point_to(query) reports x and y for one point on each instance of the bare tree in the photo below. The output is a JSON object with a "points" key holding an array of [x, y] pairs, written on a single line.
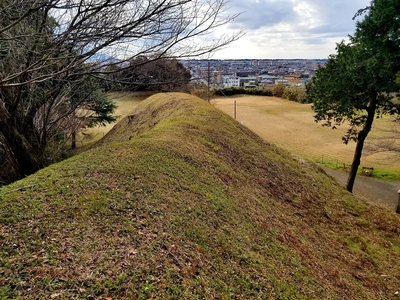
{"points": [[48, 48]]}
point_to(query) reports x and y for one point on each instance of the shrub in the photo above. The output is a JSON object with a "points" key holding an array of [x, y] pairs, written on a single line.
{"points": [[301, 95], [295, 94], [240, 90], [278, 90], [290, 94], [202, 92]]}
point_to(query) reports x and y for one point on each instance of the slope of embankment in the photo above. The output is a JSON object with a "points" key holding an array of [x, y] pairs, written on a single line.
{"points": [[179, 201]]}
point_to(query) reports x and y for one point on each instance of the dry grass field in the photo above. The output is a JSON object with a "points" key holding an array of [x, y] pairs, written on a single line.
{"points": [[291, 125]]}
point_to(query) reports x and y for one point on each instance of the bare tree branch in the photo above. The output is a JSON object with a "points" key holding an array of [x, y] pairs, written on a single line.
{"points": [[49, 50]]}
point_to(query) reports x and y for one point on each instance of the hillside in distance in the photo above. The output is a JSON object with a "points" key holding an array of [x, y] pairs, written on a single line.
{"points": [[180, 201]]}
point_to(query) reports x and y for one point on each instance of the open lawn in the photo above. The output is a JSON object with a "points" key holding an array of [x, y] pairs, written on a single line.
{"points": [[291, 126]]}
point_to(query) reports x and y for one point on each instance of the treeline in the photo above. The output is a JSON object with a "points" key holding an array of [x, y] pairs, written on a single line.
{"points": [[280, 90], [147, 74]]}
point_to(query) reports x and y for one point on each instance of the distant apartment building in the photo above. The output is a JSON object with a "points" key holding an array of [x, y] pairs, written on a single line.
{"points": [[215, 77], [251, 84], [244, 73], [230, 81], [282, 81], [248, 82], [266, 80]]}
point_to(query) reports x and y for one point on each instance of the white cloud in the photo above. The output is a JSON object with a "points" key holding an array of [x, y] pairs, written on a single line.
{"points": [[291, 28]]}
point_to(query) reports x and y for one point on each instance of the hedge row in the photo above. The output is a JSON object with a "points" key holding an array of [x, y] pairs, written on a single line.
{"points": [[239, 90]]}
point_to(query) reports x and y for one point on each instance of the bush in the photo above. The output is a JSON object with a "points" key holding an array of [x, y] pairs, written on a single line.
{"points": [[295, 94], [202, 92], [240, 90], [290, 94], [301, 95], [278, 90]]}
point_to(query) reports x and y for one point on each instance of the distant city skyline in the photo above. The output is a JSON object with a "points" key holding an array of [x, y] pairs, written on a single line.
{"points": [[289, 29], [252, 73]]}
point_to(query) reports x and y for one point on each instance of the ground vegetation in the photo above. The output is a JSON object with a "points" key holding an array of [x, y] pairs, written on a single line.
{"points": [[181, 201]]}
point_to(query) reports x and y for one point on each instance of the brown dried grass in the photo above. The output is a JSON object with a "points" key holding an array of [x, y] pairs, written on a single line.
{"points": [[291, 125]]}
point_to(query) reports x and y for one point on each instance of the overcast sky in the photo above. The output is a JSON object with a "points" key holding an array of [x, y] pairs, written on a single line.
{"points": [[290, 28]]}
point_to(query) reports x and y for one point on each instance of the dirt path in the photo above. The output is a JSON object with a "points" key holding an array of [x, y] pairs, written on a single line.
{"points": [[377, 191]]}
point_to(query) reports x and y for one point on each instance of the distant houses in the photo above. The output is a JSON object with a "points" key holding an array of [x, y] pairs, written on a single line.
{"points": [[267, 80], [251, 81], [250, 73], [282, 81]]}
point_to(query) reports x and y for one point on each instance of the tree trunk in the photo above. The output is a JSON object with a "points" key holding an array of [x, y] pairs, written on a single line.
{"points": [[360, 142], [398, 204], [73, 140], [26, 150], [356, 160]]}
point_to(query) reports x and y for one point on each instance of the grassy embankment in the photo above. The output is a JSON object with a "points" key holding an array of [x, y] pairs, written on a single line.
{"points": [[291, 125], [182, 202], [126, 102]]}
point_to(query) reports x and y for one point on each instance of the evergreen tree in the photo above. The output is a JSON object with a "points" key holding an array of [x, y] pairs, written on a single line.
{"points": [[358, 83]]}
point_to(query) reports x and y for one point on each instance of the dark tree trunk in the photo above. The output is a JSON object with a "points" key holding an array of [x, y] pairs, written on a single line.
{"points": [[360, 143], [398, 204], [25, 147], [356, 160], [73, 140]]}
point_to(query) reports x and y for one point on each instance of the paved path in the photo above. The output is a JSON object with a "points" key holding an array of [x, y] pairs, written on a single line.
{"points": [[377, 191]]}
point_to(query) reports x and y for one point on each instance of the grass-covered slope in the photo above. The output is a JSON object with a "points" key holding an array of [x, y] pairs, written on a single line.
{"points": [[180, 201]]}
